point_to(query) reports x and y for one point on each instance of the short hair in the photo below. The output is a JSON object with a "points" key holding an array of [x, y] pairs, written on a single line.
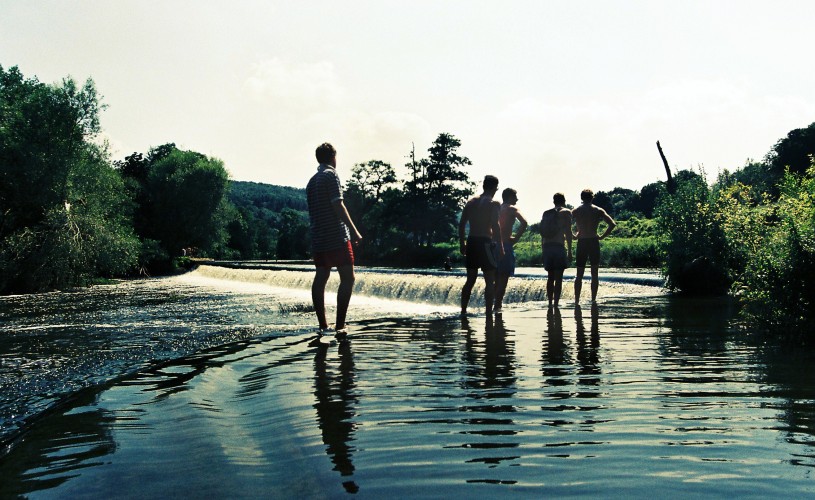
{"points": [[587, 195], [325, 152], [508, 194], [490, 182], [559, 199]]}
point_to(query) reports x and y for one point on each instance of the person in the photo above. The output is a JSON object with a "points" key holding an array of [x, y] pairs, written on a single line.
{"points": [[587, 218], [481, 213], [507, 215], [554, 245], [332, 233]]}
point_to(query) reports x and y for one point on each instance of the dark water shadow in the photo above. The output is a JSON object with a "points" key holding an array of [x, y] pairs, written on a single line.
{"points": [[334, 392]]}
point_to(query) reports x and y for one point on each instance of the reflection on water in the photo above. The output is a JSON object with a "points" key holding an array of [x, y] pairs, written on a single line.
{"points": [[335, 400], [614, 399]]}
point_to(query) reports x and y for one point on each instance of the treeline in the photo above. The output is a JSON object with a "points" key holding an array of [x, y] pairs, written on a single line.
{"points": [[70, 215], [751, 233]]}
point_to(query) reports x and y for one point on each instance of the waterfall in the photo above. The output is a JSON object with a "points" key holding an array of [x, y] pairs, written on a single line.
{"points": [[424, 288], [430, 286]]}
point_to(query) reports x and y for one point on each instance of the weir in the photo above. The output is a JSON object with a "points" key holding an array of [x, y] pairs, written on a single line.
{"points": [[426, 286]]}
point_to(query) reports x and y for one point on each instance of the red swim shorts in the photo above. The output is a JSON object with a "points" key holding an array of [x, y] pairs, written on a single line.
{"points": [[343, 256]]}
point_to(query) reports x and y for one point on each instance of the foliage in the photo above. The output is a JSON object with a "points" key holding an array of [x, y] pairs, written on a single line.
{"points": [[691, 240], [407, 223], [179, 202], [623, 203], [436, 191], [259, 223], [778, 280], [635, 227], [63, 210], [793, 152], [293, 241]]}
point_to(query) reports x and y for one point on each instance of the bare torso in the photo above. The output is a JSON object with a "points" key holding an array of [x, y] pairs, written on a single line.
{"points": [[481, 212], [587, 217]]}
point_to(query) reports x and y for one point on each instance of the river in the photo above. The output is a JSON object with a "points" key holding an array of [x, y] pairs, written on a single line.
{"points": [[211, 384]]}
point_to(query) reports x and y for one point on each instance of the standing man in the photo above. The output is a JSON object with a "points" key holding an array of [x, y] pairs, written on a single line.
{"points": [[507, 215], [332, 232], [587, 217], [556, 237], [481, 213]]}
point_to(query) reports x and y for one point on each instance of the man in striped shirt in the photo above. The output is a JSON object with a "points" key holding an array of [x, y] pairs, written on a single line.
{"points": [[332, 233]]}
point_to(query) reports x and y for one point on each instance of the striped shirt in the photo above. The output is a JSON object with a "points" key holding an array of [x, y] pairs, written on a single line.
{"points": [[328, 231]]}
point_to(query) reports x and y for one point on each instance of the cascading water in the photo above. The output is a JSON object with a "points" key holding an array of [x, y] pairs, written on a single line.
{"points": [[425, 287]]}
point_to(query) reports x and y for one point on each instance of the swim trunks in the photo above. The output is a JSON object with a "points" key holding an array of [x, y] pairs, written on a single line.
{"points": [[506, 266], [554, 256], [343, 256], [481, 253], [588, 249]]}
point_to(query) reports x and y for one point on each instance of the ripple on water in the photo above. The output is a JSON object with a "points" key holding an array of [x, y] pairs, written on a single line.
{"points": [[619, 399]]}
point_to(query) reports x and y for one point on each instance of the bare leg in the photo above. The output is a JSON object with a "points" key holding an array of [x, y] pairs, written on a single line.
{"points": [[472, 275], [501, 281], [595, 282], [318, 294], [347, 279], [558, 285], [550, 287], [578, 284], [489, 290]]}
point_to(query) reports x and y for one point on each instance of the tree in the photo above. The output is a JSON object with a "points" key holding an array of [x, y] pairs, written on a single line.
{"points": [[293, 241], [184, 191], [436, 191], [371, 185], [64, 217], [793, 152]]}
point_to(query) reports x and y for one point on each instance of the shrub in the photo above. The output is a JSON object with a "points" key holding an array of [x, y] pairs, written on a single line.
{"points": [[692, 243]]}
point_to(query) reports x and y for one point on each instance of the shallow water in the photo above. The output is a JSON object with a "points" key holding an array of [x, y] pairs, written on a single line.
{"points": [[640, 396]]}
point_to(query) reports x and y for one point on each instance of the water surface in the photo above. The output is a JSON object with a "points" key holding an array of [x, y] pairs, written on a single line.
{"points": [[638, 396]]}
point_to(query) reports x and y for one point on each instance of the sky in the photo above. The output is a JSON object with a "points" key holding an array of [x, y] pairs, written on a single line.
{"points": [[548, 96]]}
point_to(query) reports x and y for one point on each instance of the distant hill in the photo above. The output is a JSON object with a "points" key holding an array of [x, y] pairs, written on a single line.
{"points": [[258, 197]]}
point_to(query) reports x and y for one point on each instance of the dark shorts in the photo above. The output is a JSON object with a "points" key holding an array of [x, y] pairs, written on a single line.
{"points": [[481, 254], [506, 265], [554, 257], [588, 249], [343, 256]]}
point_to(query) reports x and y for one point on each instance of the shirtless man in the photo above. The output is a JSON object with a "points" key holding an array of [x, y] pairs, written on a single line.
{"points": [[587, 217], [481, 213], [553, 248], [506, 266]]}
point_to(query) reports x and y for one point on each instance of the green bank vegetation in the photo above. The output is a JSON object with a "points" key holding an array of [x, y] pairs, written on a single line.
{"points": [[70, 215]]}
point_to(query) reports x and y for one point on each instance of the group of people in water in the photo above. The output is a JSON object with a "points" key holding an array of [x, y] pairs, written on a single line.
{"points": [[488, 245]]}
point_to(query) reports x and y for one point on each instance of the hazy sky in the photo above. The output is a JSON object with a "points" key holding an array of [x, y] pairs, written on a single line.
{"points": [[549, 96]]}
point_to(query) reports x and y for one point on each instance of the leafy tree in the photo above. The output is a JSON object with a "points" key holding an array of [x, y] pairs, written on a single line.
{"points": [[369, 196], [780, 261], [436, 191], [692, 240], [293, 241], [63, 216], [184, 191], [794, 152]]}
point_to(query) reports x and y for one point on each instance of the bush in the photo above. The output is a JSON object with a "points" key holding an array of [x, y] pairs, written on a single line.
{"points": [[777, 283], [691, 241]]}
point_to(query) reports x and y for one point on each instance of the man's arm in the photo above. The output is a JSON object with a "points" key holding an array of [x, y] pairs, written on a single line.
{"points": [[610, 223], [462, 226], [566, 220], [496, 227], [342, 213], [521, 228]]}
